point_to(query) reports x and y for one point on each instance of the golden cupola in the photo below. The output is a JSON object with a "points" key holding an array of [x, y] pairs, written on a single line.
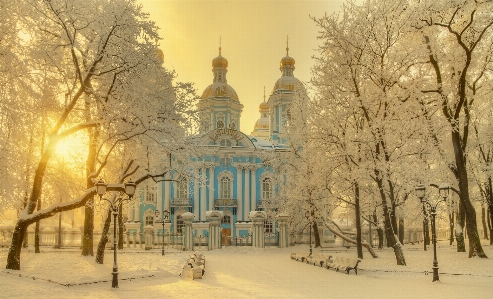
{"points": [[219, 61]]}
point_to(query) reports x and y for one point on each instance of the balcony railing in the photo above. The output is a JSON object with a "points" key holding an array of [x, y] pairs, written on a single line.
{"points": [[181, 202], [226, 202]]}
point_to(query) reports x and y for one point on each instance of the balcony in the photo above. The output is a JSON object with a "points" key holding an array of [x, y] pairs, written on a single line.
{"points": [[181, 202], [226, 202]]}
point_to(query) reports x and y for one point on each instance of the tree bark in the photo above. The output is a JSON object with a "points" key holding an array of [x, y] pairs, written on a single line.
{"points": [[401, 230], [451, 225], [483, 221], [121, 228], [359, 247], [395, 244], [36, 238], [104, 238]]}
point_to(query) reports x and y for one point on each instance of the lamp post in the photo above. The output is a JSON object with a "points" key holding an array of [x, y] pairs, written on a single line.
{"points": [[115, 204], [165, 216], [444, 190]]}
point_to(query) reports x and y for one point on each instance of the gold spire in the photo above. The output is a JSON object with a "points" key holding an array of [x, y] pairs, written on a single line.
{"points": [[264, 93], [219, 45], [287, 45]]}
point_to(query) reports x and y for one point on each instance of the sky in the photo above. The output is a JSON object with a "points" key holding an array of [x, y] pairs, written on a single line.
{"points": [[253, 40]]}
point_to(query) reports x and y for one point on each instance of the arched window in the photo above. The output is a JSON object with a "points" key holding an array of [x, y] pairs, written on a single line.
{"points": [[150, 195], [182, 189], [266, 188], [149, 220], [225, 187], [226, 143], [179, 224]]}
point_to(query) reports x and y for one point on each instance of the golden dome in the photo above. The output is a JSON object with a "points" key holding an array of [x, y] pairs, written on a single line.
{"points": [[220, 90], [287, 61], [263, 106], [219, 62]]}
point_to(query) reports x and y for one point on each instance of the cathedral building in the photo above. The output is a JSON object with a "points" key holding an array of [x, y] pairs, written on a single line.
{"points": [[230, 176]]}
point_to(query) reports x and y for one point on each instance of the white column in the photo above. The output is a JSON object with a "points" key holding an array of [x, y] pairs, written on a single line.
{"points": [[254, 189], [167, 192], [203, 186], [130, 211], [247, 193], [239, 191], [196, 192], [159, 196], [211, 188], [137, 208]]}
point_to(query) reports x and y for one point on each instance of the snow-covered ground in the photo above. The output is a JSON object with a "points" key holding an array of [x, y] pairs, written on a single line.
{"points": [[244, 272]]}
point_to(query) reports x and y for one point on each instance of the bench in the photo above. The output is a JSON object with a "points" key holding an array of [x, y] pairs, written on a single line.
{"points": [[300, 255], [198, 259], [319, 259], [194, 267], [344, 263]]}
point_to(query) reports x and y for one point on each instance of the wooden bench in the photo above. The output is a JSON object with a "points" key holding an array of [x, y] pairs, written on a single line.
{"points": [[301, 255], [194, 267], [344, 263], [318, 259]]}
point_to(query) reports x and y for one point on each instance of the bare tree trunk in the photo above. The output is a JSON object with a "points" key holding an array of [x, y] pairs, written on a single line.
{"points": [[316, 234], [395, 244], [483, 220], [104, 238], [120, 228], [401, 230], [359, 247], [451, 225], [459, 230], [36, 238], [490, 223], [379, 231]]}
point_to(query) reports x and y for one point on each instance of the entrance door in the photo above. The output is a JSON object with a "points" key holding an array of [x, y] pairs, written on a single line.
{"points": [[226, 236]]}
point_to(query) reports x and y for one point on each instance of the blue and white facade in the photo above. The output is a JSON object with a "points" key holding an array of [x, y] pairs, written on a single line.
{"points": [[230, 175]]}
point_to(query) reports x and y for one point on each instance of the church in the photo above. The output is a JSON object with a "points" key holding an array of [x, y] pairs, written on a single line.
{"points": [[230, 175]]}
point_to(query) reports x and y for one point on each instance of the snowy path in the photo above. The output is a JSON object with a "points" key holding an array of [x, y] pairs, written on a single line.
{"points": [[246, 273]]}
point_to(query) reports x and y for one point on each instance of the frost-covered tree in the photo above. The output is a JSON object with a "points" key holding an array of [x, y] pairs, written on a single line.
{"points": [[109, 89], [459, 39]]}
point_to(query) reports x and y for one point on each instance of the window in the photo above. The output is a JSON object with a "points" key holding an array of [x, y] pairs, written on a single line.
{"points": [[149, 220], [226, 219], [151, 193], [225, 187], [266, 188], [268, 226], [179, 224], [225, 143], [232, 126], [182, 189], [220, 124]]}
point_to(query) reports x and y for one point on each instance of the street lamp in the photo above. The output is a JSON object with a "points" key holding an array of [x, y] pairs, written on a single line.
{"points": [[308, 214], [165, 216], [115, 204], [443, 190]]}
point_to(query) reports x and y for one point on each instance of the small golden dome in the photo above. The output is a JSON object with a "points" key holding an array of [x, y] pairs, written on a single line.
{"points": [[287, 61], [263, 106], [219, 62]]}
